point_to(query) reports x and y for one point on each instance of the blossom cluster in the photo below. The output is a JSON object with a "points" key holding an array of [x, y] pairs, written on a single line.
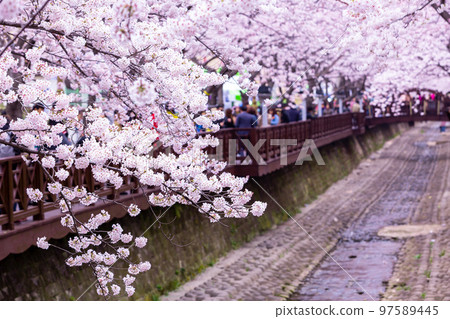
{"points": [[146, 91], [87, 250]]}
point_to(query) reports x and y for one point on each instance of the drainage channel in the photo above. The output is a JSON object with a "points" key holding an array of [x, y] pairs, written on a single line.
{"points": [[362, 262]]}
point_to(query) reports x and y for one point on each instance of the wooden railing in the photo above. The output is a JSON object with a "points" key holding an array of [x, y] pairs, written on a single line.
{"points": [[374, 121], [16, 175], [235, 143]]}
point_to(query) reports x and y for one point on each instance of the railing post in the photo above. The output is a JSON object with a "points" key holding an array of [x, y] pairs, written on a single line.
{"points": [[304, 110], [310, 129], [320, 108], [253, 137], [39, 175], [8, 195], [362, 123], [113, 194], [218, 155], [23, 185], [89, 177], [226, 145], [265, 120]]}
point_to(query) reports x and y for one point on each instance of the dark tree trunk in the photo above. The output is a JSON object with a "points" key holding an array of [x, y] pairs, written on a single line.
{"points": [[219, 96], [215, 95], [14, 110], [244, 98]]}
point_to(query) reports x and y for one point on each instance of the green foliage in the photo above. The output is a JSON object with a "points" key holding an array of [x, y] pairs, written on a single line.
{"points": [[200, 269], [173, 285], [403, 287], [180, 272], [154, 297], [178, 210]]}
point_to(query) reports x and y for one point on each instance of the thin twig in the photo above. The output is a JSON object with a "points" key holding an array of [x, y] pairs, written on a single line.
{"points": [[23, 28]]}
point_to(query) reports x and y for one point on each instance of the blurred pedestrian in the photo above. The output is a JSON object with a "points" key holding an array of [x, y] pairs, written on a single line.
{"points": [[228, 121], [355, 107], [274, 118], [245, 120]]}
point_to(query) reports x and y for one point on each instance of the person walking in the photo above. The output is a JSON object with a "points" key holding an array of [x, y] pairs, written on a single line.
{"points": [[228, 121], [356, 108], [294, 114], [285, 113], [252, 111], [245, 120], [274, 118], [6, 150]]}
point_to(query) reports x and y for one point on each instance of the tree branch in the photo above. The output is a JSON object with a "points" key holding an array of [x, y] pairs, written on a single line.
{"points": [[24, 27]]}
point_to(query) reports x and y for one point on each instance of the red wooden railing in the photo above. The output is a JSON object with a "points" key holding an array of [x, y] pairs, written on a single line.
{"points": [[16, 175], [322, 131]]}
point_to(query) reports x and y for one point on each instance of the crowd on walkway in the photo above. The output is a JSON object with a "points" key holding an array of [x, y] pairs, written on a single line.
{"points": [[8, 151], [248, 116]]}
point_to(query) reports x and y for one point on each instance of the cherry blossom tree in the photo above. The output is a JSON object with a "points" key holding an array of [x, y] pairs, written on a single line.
{"points": [[129, 57], [399, 45], [395, 44]]}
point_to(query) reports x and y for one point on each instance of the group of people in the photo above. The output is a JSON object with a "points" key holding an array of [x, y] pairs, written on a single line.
{"points": [[242, 117], [9, 151], [6, 150], [248, 116]]}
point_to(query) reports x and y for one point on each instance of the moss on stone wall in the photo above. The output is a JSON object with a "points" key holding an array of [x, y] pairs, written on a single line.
{"points": [[195, 243]]}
